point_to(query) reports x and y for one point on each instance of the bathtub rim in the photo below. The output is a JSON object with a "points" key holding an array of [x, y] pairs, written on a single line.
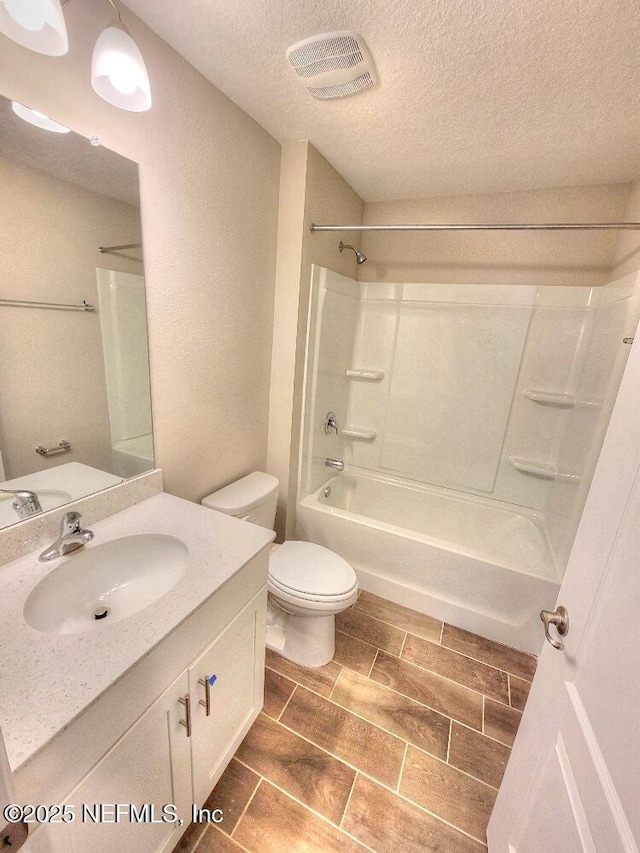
{"points": [[552, 575]]}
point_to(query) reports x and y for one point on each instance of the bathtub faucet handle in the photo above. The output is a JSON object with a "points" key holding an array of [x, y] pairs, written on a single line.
{"points": [[338, 464], [331, 423]]}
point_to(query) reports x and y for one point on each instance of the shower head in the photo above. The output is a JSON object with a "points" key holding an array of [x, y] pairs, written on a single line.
{"points": [[360, 257]]}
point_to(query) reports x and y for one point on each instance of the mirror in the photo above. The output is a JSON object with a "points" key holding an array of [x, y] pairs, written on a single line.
{"points": [[75, 402]]}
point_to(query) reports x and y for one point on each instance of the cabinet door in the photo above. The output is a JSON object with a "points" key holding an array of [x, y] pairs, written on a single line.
{"points": [[150, 764], [234, 666]]}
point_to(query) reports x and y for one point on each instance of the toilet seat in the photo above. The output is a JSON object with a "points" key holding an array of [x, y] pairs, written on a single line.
{"points": [[310, 572]]}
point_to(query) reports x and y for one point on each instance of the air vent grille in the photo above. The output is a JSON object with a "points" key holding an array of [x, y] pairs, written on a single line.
{"points": [[335, 64], [351, 87]]}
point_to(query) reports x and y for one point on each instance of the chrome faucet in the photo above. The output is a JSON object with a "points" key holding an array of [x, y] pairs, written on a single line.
{"points": [[338, 464], [72, 536], [26, 503], [331, 423]]}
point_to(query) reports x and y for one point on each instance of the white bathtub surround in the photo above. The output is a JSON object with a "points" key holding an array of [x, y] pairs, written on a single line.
{"points": [[123, 322], [487, 406]]}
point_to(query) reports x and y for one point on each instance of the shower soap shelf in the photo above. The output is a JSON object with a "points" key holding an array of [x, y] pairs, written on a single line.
{"points": [[359, 434], [364, 375], [560, 399], [543, 470]]}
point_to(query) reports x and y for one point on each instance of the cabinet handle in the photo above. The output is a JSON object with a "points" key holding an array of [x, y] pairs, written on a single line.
{"points": [[186, 701], [206, 682]]}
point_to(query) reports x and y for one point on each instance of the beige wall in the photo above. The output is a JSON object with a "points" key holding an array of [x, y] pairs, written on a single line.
{"points": [[52, 385], [627, 254], [494, 257], [310, 191], [209, 190]]}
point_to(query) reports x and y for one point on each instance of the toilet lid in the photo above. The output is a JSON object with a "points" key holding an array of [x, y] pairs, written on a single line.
{"points": [[311, 570]]}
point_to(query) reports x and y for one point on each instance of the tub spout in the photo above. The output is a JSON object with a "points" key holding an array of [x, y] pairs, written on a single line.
{"points": [[338, 464]]}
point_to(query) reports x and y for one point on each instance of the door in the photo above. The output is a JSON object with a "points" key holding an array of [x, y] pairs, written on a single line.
{"points": [[573, 780], [226, 684], [148, 766]]}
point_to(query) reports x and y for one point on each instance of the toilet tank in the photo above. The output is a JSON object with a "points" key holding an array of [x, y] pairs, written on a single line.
{"points": [[253, 498]]}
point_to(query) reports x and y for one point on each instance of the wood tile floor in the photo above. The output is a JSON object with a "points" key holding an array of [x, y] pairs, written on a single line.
{"points": [[397, 745]]}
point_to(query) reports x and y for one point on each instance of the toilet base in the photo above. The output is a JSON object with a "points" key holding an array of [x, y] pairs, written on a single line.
{"points": [[306, 640]]}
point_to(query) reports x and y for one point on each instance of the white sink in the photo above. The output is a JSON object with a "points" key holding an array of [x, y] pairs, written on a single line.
{"points": [[49, 499], [107, 583]]}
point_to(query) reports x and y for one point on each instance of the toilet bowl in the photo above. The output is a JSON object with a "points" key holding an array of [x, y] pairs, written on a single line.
{"points": [[308, 584]]}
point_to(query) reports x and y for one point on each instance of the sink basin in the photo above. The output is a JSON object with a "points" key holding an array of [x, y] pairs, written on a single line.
{"points": [[107, 583], [49, 499]]}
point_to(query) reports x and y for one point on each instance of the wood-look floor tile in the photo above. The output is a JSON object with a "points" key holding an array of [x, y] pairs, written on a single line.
{"points": [[388, 824], [519, 692], [478, 676], [457, 798], [451, 699], [306, 772], [190, 839], [402, 617], [232, 793], [501, 722], [488, 651], [320, 679], [403, 717], [277, 692], [365, 746], [215, 841], [363, 627], [482, 757], [274, 823], [354, 653]]}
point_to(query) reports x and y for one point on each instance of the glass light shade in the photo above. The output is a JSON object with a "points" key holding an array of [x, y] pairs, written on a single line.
{"points": [[36, 24], [38, 119], [118, 72]]}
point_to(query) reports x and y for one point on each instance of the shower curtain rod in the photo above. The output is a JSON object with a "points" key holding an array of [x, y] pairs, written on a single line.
{"points": [[545, 226], [103, 249]]}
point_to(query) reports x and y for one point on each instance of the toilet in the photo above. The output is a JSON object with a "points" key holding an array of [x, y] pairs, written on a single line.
{"points": [[308, 584]]}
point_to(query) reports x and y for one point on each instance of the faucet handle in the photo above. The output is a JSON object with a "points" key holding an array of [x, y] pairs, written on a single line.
{"points": [[70, 523]]}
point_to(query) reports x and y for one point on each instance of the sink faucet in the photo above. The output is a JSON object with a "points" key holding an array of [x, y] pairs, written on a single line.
{"points": [[338, 464], [26, 503], [72, 536]]}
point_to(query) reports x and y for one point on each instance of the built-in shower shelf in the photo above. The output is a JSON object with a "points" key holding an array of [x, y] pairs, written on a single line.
{"points": [[359, 434], [560, 399], [364, 375], [542, 470]]}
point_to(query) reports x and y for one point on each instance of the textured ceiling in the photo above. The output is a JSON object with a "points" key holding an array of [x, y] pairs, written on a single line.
{"points": [[68, 157], [474, 96]]}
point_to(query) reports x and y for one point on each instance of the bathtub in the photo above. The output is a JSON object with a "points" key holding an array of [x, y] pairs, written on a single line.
{"points": [[482, 566]]}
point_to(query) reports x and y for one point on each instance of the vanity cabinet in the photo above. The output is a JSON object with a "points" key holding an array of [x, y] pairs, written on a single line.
{"points": [[159, 760]]}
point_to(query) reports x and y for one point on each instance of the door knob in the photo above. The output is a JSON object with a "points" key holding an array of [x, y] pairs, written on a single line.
{"points": [[559, 618]]}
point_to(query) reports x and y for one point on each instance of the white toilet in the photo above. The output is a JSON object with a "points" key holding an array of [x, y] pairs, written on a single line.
{"points": [[308, 584]]}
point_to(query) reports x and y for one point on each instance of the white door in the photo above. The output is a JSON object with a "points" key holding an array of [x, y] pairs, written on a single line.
{"points": [[573, 780], [233, 666]]}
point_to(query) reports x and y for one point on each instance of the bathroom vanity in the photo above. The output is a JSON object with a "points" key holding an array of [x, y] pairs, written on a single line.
{"points": [[147, 710]]}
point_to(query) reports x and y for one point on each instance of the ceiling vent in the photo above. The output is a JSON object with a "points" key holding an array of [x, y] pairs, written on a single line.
{"points": [[333, 65]]}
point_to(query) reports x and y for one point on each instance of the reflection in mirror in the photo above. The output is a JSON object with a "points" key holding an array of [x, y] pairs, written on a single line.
{"points": [[75, 403]]}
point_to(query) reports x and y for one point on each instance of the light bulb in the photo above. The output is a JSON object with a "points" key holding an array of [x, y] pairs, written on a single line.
{"points": [[38, 25], [118, 72], [38, 119]]}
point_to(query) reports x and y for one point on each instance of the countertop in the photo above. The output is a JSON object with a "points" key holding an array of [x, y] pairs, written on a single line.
{"points": [[47, 680]]}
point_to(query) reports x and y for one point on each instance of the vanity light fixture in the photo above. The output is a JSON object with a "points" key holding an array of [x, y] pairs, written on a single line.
{"points": [[118, 72], [38, 119], [36, 24]]}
